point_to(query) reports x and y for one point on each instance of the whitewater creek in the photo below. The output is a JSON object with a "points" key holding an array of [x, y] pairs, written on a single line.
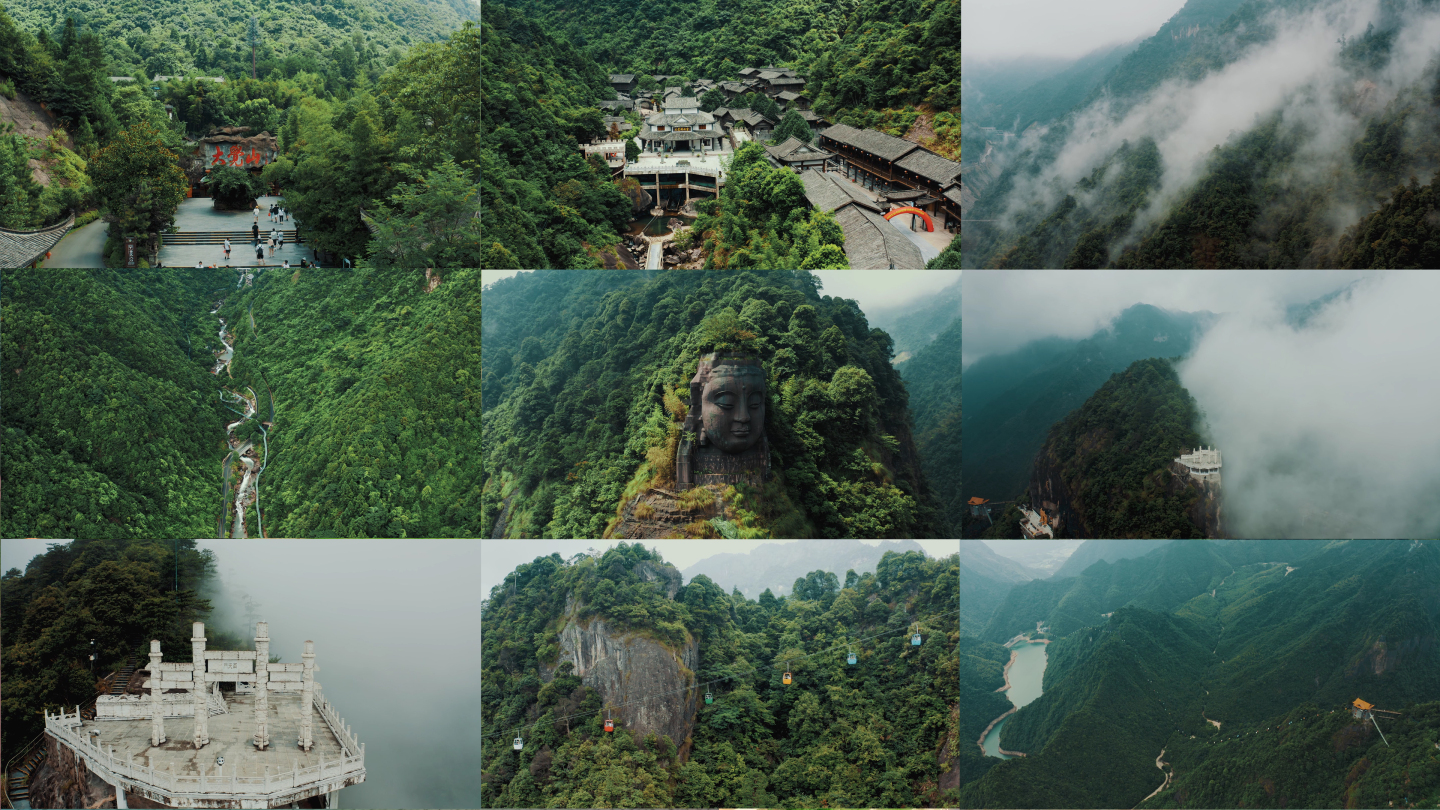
{"points": [[247, 493], [1024, 677]]}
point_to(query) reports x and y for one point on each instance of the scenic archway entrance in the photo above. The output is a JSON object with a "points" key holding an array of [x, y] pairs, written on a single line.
{"points": [[929, 223]]}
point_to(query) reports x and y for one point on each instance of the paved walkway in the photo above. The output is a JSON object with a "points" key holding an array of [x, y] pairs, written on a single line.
{"points": [[81, 247], [198, 214]]}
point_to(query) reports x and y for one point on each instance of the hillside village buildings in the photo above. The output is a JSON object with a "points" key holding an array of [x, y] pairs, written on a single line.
{"points": [[903, 170]]}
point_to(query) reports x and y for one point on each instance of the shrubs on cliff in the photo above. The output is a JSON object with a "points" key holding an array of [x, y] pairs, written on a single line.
{"points": [[1112, 454], [839, 736]]}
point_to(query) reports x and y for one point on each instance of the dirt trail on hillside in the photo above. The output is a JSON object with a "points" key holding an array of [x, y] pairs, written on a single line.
{"points": [[1168, 776]]}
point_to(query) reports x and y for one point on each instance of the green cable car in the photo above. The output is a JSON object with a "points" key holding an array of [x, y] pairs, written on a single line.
{"points": [[709, 698]]}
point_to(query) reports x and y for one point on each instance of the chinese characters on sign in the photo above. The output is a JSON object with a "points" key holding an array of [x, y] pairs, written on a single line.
{"points": [[237, 156]]}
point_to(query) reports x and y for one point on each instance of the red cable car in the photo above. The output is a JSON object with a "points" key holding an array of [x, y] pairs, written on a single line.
{"points": [[609, 725]]}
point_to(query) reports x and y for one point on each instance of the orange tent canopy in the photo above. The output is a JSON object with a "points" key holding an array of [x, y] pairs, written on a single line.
{"points": [[977, 500]]}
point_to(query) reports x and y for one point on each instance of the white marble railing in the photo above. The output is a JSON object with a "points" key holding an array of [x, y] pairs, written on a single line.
{"points": [[62, 727], [348, 741]]}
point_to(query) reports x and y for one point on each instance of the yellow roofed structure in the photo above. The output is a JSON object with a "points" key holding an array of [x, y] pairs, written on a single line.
{"points": [[977, 500], [1362, 705]]}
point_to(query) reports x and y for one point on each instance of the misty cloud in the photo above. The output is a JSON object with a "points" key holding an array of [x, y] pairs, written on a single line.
{"points": [[1296, 73], [1328, 430], [396, 626], [1000, 29], [1005, 309]]}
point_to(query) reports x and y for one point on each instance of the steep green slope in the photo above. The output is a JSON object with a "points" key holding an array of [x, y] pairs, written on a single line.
{"points": [[980, 596], [881, 733], [982, 671], [1013, 400], [1050, 97], [1093, 551], [1313, 756], [1104, 470], [210, 37], [542, 202], [588, 377], [1091, 740], [376, 400], [112, 425], [915, 325], [932, 377]]}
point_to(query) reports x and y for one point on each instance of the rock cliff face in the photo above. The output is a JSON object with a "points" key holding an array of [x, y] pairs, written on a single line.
{"points": [[1048, 492], [1204, 509], [630, 670]]}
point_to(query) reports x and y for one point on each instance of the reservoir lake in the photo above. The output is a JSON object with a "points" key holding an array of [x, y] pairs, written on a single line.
{"points": [[1026, 677]]}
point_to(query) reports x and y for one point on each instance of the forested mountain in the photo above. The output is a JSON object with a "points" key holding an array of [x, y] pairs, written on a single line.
{"points": [[775, 566], [1093, 551], [1104, 470], [1292, 184], [1293, 625], [914, 324], [882, 732], [114, 425], [980, 557], [982, 667], [1015, 108], [984, 584], [586, 384], [932, 377], [1012, 400], [374, 105], [118, 593]]}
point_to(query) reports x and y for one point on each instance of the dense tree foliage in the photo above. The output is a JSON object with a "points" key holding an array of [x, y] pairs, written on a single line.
{"points": [[932, 377], [586, 380], [121, 594], [112, 425], [762, 220], [867, 735], [982, 668], [360, 122], [949, 258], [542, 201], [373, 382]]}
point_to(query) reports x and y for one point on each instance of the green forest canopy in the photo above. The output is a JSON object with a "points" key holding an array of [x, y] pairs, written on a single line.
{"points": [[842, 736], [114, 425], [587, 373]]}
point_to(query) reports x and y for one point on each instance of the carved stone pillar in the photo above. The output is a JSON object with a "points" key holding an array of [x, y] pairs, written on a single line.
{"points": [[157, 709], [197, 685], [262, 680], [307, 697]]}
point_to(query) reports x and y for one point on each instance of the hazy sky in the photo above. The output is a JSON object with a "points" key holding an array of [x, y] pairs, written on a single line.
{"points": [[488, 277], [18, 553], [998, 29], [499, 557], [394, 624], [1004, 309]]}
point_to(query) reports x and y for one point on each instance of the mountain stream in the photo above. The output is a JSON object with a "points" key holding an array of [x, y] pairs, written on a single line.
{"points": [[246, 494]]}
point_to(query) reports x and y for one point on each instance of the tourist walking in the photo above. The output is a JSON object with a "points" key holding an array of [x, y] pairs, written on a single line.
{"points": [[345, 262], [257, 211], [259, 254], [255, 228], [227, 248], [286, 264]]}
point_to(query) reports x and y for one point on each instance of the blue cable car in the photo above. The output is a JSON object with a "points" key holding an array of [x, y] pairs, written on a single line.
{"points": [[915, 640], [850, 659]]}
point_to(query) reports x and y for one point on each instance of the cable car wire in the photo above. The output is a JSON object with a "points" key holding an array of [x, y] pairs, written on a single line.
{"points": [[733, 676]]}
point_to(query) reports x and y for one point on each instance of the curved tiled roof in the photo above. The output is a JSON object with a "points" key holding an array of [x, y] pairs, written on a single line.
{"points": [[876, 143], [872, 243], [21, 248], [931, 166], [787, 150]]}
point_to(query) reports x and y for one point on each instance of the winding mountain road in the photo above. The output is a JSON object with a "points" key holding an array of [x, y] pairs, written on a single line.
{"points": [[1168, 776]]}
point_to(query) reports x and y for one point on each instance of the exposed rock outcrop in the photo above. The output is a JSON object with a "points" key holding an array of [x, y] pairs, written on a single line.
{"points": [[630, 670], [64, 781], [1205, 503]]}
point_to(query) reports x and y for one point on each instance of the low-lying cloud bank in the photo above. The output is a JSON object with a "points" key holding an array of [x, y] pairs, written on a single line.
{"points": [[1297, 73], [1328, 430]]}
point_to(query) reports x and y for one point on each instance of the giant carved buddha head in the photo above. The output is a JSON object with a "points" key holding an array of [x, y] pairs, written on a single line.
{"points": [[731, 398]]}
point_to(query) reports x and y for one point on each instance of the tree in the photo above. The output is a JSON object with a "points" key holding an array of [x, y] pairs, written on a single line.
{"points": [[434, 223], [138, 178], [234, 188], [712, 99], [792, 125], [632, 150], [949, 258]]}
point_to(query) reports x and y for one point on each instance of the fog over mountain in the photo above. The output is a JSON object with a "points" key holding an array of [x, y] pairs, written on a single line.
{"points": [[395, 626]]}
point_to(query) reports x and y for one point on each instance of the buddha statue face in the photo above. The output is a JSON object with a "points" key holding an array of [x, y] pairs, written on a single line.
{"points": [[732, 407]]}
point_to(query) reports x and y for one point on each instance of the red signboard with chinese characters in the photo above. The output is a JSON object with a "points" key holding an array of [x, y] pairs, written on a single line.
{"points": [[237, 155]]}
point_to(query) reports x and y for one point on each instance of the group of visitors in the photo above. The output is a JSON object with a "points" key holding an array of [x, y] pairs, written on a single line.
{"points": [[275, 240]]}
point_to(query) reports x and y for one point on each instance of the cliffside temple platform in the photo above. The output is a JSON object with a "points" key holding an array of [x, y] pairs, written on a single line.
{"points": [[273, 742], [678, 179]]}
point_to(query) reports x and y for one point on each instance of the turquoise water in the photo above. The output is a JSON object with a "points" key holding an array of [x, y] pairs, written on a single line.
{"points": [[1026, 679]]}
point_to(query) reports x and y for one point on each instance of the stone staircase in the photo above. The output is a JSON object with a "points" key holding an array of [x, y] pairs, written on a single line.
{"points": [[216, 701], [237, 238], [18, 789]]}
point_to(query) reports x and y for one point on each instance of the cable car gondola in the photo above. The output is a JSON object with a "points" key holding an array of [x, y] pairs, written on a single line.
{"points": [[850, 659], [519, 743], [609, 724], [709, 698], [787, 679]]}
